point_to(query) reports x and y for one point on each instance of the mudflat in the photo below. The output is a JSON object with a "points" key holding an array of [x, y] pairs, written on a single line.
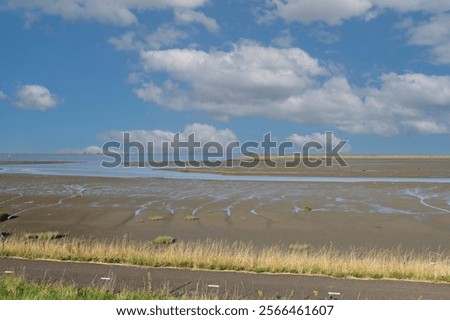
{"points": [[413, 216], [385, 166]]}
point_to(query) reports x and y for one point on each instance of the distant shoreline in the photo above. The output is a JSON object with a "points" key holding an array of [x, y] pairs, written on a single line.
{"points": [[359, 166], [5, 163], [377, 156]]}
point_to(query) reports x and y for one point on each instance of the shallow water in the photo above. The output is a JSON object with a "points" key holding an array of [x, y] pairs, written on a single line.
{"points": [[89, 166]]}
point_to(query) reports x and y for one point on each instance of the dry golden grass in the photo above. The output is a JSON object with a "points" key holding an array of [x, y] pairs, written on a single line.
{"points": [[216, 255]]}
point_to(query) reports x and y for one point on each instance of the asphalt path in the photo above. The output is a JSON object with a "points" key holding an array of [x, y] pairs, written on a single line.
{"points": [[221, 284]]}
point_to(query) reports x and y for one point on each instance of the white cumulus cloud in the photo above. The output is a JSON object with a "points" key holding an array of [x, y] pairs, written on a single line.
{"points": [[164, 36], [126, 42], [240, 82], [432, 6], [329, 11], [87, 150], [36, 97], [202, 133], [191, 16], [284, 40], [118, 12], [301, 140], [288, 84], [2, 95], [334, 12], [435, 34], [411, 102], [432, 33]]}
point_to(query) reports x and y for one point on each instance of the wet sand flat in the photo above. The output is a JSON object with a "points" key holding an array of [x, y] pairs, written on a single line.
{"points": [[413, 216]]}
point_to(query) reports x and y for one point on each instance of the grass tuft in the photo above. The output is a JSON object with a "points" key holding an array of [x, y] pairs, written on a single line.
{"points": [[164, 240], [156, 218], [299, 247], [3, 216], [191, 218], [49, 235]]}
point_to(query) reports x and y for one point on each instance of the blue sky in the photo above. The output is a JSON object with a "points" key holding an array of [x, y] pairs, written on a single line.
{"points": [[77, 73]]}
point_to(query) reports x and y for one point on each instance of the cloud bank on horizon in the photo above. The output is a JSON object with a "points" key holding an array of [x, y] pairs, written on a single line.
{"points": [[286, 63]]}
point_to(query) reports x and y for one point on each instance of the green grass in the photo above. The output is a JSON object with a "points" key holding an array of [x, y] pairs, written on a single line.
{"points": [[164, 240], [307, 209], [16, 288]]}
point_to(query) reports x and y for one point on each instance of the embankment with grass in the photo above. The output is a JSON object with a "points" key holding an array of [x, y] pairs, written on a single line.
{"points": [[17, 288], [217, 255]]}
